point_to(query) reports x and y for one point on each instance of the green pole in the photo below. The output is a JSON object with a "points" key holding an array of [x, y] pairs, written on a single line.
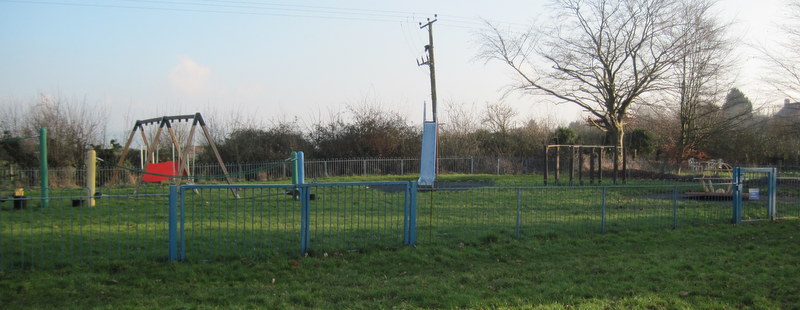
{"points": [[295, 179], [294, 168], [43, 166]]}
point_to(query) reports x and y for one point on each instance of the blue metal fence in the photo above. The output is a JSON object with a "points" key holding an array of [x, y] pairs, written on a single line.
{"points": [[269, 219], [209, 222], [455, 215], [67, 231]]}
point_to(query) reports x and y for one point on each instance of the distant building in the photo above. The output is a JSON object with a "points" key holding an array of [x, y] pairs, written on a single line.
{"points": [[789, 112]]}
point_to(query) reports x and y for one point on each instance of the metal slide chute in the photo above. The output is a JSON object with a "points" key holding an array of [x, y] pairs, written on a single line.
{"points": [[427, 163]]}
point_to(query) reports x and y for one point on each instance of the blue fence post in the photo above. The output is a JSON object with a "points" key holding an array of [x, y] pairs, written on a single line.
{"points": [[305, 207], [675, 207], [519, 212], [737, 196], [407, 215], [773, 187], [301, 168], [173, 223], [412, 222], [603, 210], [182, 236]]}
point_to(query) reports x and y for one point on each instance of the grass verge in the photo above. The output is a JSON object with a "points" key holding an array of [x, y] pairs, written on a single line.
{"points": [[725, 266]]}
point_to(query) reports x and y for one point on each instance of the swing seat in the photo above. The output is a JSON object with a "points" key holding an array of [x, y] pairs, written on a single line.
{"points": [[155, 173]]}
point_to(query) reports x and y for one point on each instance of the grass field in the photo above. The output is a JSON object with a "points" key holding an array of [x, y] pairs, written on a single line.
{"points": [[715, 267], [505, 246]]}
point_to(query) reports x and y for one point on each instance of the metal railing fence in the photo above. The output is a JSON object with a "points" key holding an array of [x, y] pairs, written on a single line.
{"points": [[284, 219], [458, 216], [208, 222], [65, 230]]}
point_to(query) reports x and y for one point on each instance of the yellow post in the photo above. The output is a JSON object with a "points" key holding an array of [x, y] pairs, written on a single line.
{"points": [[91, 173]]}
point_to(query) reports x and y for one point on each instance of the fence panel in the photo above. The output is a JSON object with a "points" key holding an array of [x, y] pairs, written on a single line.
{"points": [[263, 221], [358, 216], [639, 208], [67, 231], [553, 211], [463, 215], [269, 219], [788, 198]]}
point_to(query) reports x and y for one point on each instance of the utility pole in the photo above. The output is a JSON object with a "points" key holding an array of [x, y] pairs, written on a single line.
{"points": [[429, 62]]}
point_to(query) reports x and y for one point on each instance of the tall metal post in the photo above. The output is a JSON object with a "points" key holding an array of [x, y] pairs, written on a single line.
{"points": [[519, 213], [301, 168], [305, 221], [412, 223], [603, 209], [773, 187], [675, 207], [737, 196]]}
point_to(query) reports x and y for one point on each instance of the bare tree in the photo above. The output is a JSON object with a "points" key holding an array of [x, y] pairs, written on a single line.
{"points": [[701, 78], [71, 128], [602, 55], [499, 117], [11, 116], [456, 136], [460, 119]]}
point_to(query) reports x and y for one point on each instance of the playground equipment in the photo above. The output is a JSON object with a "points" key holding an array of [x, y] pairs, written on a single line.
{"points": [[427, 169], [596, 154], [716, 177], [181, 167]]}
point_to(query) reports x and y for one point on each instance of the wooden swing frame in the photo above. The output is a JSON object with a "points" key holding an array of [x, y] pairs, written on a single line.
{"points": [[150, 148]]}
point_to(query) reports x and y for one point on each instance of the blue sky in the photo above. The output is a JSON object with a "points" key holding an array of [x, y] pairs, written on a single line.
{"points": [[142, 59]]}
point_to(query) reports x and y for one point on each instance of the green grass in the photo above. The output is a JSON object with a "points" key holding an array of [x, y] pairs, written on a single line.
{"points": [[114, 255], [726, 266]]}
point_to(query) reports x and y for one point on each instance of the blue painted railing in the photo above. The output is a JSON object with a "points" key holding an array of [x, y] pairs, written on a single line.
{"points": [[269, 218], [208, 223]]}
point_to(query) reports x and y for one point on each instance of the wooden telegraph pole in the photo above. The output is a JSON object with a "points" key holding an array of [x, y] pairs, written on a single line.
{"points": [[430, 63]]}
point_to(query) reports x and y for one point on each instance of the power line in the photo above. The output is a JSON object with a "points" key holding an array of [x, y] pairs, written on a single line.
{"points": [[320, 15], [271, 9], [284, 7]]}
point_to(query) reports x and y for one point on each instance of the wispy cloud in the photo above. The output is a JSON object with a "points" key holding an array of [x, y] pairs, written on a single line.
{"points": [[189, 76]]}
